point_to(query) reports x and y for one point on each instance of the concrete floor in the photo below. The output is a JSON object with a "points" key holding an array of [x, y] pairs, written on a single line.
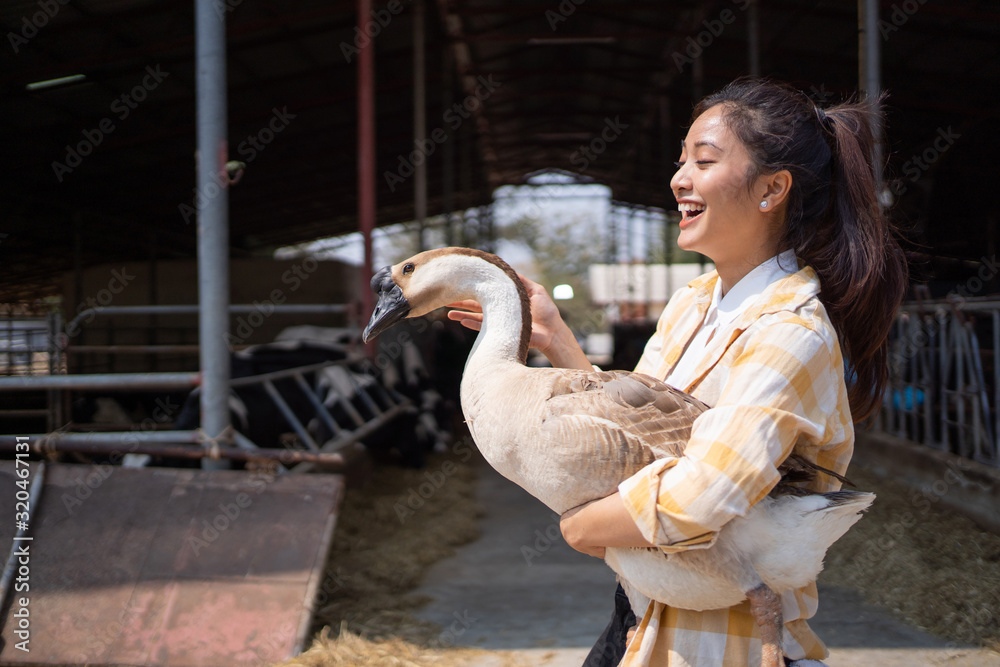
{"points": [[520, 592]]}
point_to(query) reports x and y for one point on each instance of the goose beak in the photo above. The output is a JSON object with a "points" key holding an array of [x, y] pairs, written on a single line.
{"points": [[392, 306]]}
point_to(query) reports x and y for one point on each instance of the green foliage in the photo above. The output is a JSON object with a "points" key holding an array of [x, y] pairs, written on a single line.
{"points": [[563, 251]]}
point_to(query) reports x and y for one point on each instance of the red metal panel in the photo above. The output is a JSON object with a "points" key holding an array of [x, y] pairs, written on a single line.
{"points": [[170, 567]]}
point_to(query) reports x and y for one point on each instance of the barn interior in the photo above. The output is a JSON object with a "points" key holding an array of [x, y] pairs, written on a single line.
{"points": [[120, 259]]}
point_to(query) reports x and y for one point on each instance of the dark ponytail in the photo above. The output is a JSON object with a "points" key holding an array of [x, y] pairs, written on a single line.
{"points": [[833, 219]]}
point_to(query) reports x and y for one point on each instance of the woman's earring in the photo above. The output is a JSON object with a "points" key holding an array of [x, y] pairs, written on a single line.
{"points": [[763, 204]]}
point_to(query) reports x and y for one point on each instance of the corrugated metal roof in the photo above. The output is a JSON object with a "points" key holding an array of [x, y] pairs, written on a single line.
{"points": [[100, 170]]}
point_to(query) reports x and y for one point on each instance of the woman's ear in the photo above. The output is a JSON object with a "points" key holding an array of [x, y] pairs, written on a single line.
{"points": [[776, 187]]}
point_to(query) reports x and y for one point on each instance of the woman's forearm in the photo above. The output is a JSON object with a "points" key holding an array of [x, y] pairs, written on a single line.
{"points": [[599, 524], [564, 351]]}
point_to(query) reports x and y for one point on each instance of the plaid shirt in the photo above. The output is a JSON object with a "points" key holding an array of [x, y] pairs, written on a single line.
{"points": [[775, 379]]}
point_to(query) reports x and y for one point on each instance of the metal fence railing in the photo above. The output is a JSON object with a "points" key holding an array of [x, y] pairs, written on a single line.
{"points": [[944, 375], [27, 345]]}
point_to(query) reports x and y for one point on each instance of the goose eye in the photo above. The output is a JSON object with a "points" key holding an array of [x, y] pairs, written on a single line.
{"points": [[408, 269]]}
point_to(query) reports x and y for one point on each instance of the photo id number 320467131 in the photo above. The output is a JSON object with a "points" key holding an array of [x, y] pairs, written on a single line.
{"points": [[20, 555]]}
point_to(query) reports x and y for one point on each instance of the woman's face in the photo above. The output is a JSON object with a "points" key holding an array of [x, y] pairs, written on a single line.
{"points": [[720, 218]]}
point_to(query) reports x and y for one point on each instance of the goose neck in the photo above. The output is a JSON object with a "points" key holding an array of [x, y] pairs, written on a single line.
{"points": [[506, 323]]}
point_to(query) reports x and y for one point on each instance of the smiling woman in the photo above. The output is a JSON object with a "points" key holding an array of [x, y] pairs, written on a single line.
{"points": [[716, 203], [786, 341]]}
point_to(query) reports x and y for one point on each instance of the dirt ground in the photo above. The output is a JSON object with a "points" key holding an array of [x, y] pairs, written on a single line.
{"points": [[937, 571], [388, 534]]}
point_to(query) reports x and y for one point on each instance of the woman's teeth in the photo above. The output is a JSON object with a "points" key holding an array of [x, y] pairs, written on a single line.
{"points": [[691, 210]]}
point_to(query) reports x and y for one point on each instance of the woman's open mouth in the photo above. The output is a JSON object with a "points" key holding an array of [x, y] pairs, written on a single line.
{"points": [[689, 213]]}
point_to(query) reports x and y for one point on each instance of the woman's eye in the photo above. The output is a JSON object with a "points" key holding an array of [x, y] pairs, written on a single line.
{"points": [[705, 162]]}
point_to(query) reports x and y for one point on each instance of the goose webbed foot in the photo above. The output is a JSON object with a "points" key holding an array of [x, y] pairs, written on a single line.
{"points": [[765, 605]]}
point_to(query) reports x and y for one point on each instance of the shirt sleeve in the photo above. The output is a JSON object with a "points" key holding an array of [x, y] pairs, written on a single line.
{"points": [[781, 390]]}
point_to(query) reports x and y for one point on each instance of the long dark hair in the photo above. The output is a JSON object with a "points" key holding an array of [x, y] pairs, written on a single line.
{"points": [[833, 219]]}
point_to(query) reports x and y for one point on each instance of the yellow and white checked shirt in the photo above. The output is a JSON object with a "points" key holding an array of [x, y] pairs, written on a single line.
{"points": [[774, 377]]}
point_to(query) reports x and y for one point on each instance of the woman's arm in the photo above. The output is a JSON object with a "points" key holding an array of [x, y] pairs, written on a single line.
{"points": [[783, 389], [599, 524], [549, 333]]}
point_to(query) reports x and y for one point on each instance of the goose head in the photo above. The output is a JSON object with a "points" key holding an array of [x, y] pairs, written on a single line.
{"points": [[416, 286], [435, 278]]}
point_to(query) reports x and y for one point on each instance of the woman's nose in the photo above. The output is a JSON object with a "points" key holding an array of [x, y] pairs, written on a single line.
{"points": [[680, 180]]}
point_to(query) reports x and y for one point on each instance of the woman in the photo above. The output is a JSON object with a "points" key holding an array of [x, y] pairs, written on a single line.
{"points": [[781, 196]]}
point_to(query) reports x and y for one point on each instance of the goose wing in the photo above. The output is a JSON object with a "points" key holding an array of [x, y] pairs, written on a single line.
{"points": [[617, 421], [605, 426]]}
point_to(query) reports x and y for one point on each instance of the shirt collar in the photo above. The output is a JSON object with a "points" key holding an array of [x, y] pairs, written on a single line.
{"points": [[742, 295], [781, 291]]}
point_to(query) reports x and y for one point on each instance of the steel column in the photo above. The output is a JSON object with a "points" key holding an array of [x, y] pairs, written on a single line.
{"points": [[419, 125], [366, 156], [448, 150], [870, 73], [213, 219], [753, 38]]}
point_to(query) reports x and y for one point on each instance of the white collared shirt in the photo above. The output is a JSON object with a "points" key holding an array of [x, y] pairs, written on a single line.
{"points": [[723, 310]]}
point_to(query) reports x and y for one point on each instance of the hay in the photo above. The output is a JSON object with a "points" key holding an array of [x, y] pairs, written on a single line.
{"points": [[388, 534], [938, 570], [354, 650]]}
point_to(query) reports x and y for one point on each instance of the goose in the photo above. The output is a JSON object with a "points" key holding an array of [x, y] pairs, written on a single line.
{"points": [[570, 436]]}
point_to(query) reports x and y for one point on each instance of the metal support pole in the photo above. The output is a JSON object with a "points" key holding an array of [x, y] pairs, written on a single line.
{"points": [[753, 38], [669, 150], [338, 461], [77, 276], [630, 237], [611, 243], [289, 415], [124, 441], [448, 150], [466, 137], [419, 124], [105, 382], [213, 220], [151, 338], [870, 73], [490, 232], [366, 156]]}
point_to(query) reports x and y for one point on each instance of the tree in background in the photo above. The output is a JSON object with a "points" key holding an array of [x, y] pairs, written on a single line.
{"points": [[563, 248]]}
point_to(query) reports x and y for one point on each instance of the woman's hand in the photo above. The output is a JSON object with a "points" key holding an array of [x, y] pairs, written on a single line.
{"points": [[549, 333], [575, 533], [599, 524]]}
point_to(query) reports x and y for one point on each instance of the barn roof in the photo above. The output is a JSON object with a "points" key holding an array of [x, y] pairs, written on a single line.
{"points": [[101, 169]]}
